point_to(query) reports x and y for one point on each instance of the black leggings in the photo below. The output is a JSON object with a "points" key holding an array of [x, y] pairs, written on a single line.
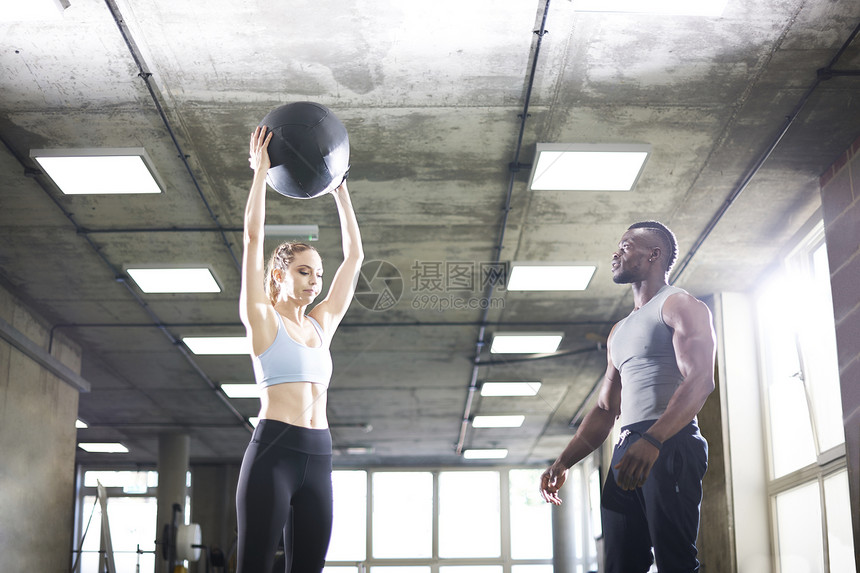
{"points": [[285, 489]]}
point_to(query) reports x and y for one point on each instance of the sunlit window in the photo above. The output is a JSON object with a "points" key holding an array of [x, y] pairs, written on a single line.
{"points": [[840, 542], [470, 569], [469, 516], [798, 518], [132, 524], [809, 485], [447, 521], [531, 522], [402, 514], [801, 369], [349, 530]]}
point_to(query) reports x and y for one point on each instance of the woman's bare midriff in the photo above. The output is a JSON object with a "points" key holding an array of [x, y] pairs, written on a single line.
{"points": [[297, 403]]}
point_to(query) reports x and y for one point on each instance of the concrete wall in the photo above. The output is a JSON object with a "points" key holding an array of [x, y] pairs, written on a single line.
{"points": [[715, 550], [840, 201], [37, 441]]}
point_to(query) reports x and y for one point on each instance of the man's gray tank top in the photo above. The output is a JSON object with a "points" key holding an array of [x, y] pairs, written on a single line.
{"points": [[642, 351]]}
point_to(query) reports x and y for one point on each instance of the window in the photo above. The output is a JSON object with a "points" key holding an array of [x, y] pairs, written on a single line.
{"points": [[132, 509], [402, 514], [448, 521], [801, 371], [531, 522], [469, 515], [808, 484]]}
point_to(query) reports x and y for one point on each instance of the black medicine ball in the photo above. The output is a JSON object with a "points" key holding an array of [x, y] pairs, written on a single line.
{"points": [[309, 150]]}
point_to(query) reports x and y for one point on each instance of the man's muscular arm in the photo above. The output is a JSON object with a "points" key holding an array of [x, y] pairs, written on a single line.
{"points": [[592, 432]]}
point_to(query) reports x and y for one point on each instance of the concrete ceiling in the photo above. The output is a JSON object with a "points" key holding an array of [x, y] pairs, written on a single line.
{"points": [[433, 95]]}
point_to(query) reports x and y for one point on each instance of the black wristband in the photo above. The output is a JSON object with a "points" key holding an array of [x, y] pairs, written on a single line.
{"points": [[652, 440]]}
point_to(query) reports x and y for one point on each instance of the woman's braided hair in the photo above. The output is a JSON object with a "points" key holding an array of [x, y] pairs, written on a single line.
{"points": [[281, 258]]}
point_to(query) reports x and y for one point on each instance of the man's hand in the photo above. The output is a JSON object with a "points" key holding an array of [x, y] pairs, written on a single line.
{"points": [[635, 465], [551, 481]]}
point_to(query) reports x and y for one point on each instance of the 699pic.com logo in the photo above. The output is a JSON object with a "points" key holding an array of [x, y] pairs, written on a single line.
{"points": [[379, 286]]}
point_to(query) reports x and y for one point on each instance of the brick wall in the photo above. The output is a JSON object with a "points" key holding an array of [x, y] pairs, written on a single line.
{"points": [[840, 200]]}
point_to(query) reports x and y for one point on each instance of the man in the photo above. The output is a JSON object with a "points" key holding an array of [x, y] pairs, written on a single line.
{"points": [[660, 370]]}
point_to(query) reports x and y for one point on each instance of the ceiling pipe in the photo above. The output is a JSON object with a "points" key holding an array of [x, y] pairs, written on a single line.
{"points": [[513, 169], [120, 278], [822, 74], [146, 76]]}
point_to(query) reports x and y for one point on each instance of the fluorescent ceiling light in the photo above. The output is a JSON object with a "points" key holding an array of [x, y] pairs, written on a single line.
{"points": [[80, 424], [358, 450], [295, 232], [712, 8], [510, 388], [498, 421], [545, 277], [241, 390], [174, 280], [486, 454], [218, 344], [526, 342], [103, 447], [587, 166], [254, 420], [99, 171], [32, 10]]}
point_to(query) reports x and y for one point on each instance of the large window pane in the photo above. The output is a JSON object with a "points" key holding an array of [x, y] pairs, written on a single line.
{"points": [[531, 523], [799, 537], [349, 530], [132, 522], [532, 569], [403, 569], [470, 569], [819, 344], [402, 514], [129, 481], [469, 516], [792, 444], [840, 543]]}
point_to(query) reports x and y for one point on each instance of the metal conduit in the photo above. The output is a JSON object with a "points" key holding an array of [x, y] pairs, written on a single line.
{"points": [[513, 168], [145, 75], [822, 75]]}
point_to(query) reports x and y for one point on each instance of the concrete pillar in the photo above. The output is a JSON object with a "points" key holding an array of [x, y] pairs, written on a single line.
{"points": [[38, 442], [213, 506], [564, 532], [172, 468]]}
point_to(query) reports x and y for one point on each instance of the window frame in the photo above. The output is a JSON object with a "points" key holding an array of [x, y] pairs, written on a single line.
{"points": [[797, 259]]}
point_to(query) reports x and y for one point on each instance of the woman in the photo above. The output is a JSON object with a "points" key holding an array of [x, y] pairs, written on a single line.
{"points": [[285, 481]]}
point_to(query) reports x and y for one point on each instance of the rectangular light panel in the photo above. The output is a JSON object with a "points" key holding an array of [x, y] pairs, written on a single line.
{"points": [[549, 277], [587, 166], [99, 171], [80, 424], [526, 342], [218, 344], [510, 388], [241, 390], [174, 280], [486, 454], [498, 421], [103, 447], [712, 8]]}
